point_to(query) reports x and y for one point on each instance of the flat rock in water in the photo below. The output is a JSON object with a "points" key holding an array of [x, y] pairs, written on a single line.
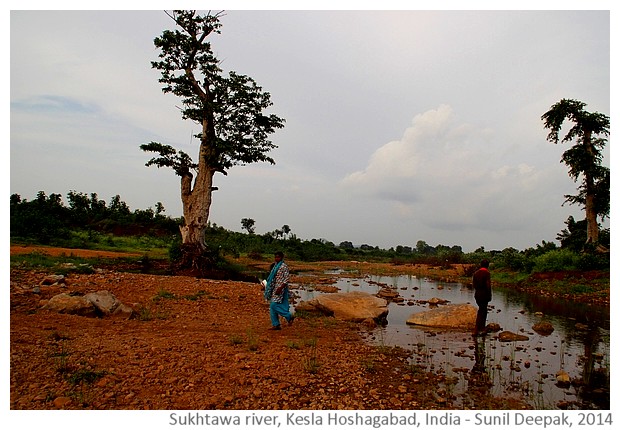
{"points": [[543, 328], [458, 316], [355, 306], [508, 336]]}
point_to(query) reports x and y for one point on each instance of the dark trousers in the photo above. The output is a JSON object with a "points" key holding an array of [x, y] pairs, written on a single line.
{"points": [[481, 316]]}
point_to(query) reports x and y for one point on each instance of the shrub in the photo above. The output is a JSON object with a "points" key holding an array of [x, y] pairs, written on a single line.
{"points": [[556, 260], [592, 261], [174, 250]]}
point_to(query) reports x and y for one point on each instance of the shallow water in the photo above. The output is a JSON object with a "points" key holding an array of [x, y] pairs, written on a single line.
{"points": [[580, 343]]}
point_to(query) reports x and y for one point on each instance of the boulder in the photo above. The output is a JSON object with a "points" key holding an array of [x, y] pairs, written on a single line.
{"points": [[457, 316], [508, 336], [355, 306], [68, 304], [107, 304], [101, 303]]}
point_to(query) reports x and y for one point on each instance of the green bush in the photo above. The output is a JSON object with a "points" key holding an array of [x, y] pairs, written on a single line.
{"points": [[556, 260], [593, 261], [174, 250]]}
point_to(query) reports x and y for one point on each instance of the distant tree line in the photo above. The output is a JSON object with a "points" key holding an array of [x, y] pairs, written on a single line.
{"points": [[47, 219]]}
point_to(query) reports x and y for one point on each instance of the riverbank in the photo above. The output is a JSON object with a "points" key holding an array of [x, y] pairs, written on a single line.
{"points": [[205, 344], [200, 344]]}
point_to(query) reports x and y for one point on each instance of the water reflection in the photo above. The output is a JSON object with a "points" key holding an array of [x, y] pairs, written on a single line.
{"points": [[579, 344]]}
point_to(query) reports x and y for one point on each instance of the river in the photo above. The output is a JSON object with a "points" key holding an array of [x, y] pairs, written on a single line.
{"points": [[579, 344]]}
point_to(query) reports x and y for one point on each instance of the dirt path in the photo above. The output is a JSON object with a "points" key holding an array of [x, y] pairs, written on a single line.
{"points": [[83, 253]]}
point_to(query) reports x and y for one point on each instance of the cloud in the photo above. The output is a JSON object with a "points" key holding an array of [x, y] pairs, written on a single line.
{"points": [[450, 175]]}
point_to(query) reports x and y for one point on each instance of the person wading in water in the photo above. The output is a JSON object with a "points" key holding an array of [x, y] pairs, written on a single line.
{"points": [[482, 286]]}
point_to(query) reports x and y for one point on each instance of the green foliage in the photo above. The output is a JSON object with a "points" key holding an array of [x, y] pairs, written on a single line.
{"points": [[87, 376], [42, 219], [86, 222], [574, 235], [584, 158], [231, 105], [163, 294], [512, 259], [565, 259], [556, 260]]}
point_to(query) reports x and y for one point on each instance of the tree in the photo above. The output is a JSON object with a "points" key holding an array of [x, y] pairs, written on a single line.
{"points": [[574, 235], [346, 245], [248, 225], [286, 230], [583, 158], [229, 109]]}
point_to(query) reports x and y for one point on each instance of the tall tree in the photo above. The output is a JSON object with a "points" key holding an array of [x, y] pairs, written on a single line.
{"points": [[230, 108], [248, 225], [583, 158]]}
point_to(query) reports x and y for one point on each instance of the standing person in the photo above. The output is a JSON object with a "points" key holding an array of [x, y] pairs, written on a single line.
{"points": [[276, 292], [482, 286]]}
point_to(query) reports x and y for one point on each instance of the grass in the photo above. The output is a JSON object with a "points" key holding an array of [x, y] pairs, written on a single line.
{"points": [[252, 339], [235, 339], [81, 376], [293, 344], [506, 277], [61, 264], [163, 294], [197, 295], [146, 314], [156, 247], [311, 362]]}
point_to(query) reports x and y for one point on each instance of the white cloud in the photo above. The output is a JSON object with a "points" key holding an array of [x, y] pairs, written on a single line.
{"points": [[445, 175]]}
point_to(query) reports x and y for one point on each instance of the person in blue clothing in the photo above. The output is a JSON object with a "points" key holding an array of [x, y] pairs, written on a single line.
{"points": [[276, 292]]}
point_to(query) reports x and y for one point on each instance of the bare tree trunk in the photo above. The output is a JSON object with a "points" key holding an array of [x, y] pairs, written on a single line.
{"points": [[591, 216], [196, 206], [592, 226]]}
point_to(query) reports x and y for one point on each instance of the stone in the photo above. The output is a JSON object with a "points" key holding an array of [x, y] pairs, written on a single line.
{"points": [[326, 288], [105, 302], [493, 328], [108, 305], [544, 328], [61, 402], [54, 280], [562, 378], [508, 336], [68, 304], [101, 303], [387, 293], [456, 316], [354, 306], [123, 311], [437, 301]]}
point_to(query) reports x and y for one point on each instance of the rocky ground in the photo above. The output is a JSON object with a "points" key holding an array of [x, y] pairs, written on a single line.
{"points": [[203, 344]]}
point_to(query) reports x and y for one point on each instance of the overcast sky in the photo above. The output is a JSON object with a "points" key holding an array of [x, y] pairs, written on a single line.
{"points": [[400, 125]]}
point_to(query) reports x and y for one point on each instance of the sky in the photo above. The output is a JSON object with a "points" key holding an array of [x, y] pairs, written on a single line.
{"points": [[401, 125]]}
